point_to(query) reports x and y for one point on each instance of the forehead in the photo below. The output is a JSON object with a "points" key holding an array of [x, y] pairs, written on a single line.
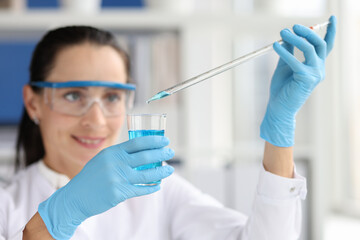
{"points": [[88, 61]]}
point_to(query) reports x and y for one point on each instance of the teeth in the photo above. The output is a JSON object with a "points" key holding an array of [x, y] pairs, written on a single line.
{"points": [[88, 141]]}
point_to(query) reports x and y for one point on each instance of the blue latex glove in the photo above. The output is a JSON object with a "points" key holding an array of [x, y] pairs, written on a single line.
{"points": [[293, 81], [105, 181]]}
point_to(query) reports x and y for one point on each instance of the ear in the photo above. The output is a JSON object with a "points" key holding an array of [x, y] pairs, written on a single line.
{"points": [[32, 102]]}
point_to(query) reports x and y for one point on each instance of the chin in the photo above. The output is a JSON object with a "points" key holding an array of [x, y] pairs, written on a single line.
{"points": [[84, 158]]}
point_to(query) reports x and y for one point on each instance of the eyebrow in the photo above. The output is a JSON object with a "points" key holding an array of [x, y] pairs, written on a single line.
{"points": [[116, 85]]}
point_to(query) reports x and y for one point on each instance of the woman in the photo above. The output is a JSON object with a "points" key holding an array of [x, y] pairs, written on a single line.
{"points": [[78, 184]]}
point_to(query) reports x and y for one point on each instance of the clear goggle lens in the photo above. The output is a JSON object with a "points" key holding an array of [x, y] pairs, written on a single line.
{"points": [[76, 101], [75, 98]]}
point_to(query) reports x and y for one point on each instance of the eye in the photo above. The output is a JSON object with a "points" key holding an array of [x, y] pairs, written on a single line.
{"points": [[72, 96], [113, 97]]}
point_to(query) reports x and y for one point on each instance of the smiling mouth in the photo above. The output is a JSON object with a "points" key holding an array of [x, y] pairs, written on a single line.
{"points": [[89, 142]]}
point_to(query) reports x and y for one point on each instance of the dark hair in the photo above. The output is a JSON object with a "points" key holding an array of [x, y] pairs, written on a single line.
{"points": [[29, 140]]}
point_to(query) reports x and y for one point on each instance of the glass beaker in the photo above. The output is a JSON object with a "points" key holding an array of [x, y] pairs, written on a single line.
{"points": [[145, 125]]}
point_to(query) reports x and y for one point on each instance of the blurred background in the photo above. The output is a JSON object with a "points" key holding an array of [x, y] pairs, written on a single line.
{"points": [[214, 126]]}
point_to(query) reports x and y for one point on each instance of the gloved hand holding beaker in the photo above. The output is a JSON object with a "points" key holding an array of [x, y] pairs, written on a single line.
{"points": [[105, 181]]}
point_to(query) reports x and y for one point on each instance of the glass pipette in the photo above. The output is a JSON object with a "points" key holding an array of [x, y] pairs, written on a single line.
{"points": [[222, 68]]}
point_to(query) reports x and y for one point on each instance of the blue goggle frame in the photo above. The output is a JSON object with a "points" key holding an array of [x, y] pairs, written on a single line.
{"points": [[44, 84]]}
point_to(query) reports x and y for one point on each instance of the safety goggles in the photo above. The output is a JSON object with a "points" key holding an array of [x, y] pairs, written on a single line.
{"points": [[75, 98]]}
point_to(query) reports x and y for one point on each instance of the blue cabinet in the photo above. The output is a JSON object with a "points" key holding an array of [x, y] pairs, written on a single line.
{"points": [[14, 74], [104, 3]]}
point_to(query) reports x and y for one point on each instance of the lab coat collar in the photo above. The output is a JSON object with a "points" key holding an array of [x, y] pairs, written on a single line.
{"points": [[56, 180]]}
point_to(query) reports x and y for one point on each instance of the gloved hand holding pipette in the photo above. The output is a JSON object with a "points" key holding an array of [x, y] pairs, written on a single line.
{"points": [[293, 81], [222, 68]]}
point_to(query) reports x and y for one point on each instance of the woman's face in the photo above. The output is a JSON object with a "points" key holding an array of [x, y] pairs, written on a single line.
{"points": [[70, 142]]}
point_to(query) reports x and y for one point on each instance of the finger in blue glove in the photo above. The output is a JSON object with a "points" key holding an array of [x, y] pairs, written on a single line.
{"points": [[293, 81], [104, 182]]}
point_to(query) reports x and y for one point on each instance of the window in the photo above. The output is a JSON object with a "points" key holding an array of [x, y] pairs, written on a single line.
{"points": [[347, 163]]}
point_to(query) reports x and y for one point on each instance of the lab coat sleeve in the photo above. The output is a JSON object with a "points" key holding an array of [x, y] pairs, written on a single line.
{"points": [[6, 207], [2, 222], [277, 208], [276, 212], [17, 236], [197, 216], [4, 198]]}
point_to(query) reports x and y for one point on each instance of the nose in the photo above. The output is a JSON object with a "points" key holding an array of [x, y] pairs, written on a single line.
{"points": [[94, 117]]}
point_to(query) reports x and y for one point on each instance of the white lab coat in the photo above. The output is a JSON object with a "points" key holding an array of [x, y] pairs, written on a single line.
{"points": [[177, 211]]}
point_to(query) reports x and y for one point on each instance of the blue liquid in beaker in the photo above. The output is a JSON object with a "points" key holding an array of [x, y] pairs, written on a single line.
{"points": [[141, 133]]}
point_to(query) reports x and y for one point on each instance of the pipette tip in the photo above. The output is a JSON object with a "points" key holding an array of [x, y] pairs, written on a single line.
{"points": [[158, 96]]}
